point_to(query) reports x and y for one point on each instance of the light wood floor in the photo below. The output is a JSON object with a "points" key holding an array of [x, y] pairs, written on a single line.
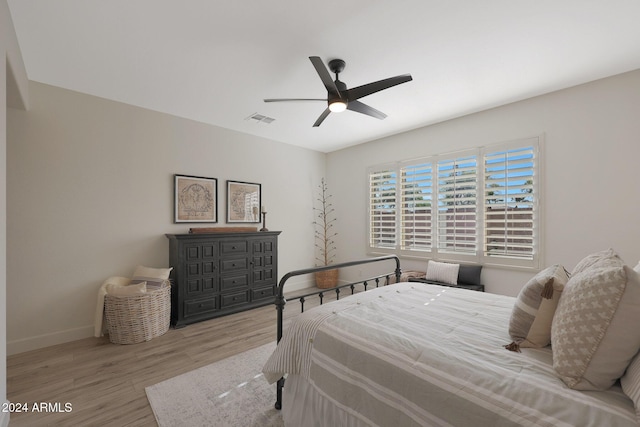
{"points": [[105, 382]]}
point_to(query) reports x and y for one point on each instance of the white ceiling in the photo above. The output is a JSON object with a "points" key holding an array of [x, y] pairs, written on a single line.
{"points": [[214, 61]]}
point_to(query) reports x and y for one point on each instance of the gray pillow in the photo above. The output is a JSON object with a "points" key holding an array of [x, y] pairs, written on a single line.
{"points": [[469, 274]]}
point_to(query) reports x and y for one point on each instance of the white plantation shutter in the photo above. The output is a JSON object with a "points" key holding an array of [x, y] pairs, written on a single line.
{"points": [[510, 201], [416, 191], [382, 208], [457, 201], [476, 205]]}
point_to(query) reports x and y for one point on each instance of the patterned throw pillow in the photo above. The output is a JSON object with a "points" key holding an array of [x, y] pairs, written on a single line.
{"points": [[530, 322], [443, 272], [591, 337], [605, 258]]}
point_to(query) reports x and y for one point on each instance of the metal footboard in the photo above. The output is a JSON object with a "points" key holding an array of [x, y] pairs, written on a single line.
{"points": [[281, 300]]}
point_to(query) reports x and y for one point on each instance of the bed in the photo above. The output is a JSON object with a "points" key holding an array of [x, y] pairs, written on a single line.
{"points": [[414, 354]]}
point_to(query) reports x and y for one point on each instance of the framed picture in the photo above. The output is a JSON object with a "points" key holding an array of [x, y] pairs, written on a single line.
{"points": [[195, 199], [243, 201]]}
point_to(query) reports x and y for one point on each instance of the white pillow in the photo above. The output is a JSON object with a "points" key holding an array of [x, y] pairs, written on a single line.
{"points": [[155, 277], [591, 337], [443, 272], [117, 290], [630, 382]]}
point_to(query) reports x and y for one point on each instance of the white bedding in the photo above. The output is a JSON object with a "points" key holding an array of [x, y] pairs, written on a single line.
{"points": [[414, 354]]}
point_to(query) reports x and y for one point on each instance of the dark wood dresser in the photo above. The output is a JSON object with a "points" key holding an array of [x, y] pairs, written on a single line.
{"points": [[222, 273]]}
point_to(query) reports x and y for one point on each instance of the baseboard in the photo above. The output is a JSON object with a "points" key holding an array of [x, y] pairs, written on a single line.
{"points": [[293, 285], [47, 340], [4, 419]]}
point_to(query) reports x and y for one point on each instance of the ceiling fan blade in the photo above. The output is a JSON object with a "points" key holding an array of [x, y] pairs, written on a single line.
{"points": [[365, 109], [324, 75], [364, 90], [323, 116], [294, 99]]}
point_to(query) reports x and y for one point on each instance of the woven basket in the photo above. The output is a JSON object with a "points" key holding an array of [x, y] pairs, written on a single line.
{"points": [[326, 279], [137, 318]]}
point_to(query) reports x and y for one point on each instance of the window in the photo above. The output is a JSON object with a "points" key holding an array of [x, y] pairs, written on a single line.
{"points": [[477, 205], [416, 195], [457, 216], [510, 202], [382, 209]]}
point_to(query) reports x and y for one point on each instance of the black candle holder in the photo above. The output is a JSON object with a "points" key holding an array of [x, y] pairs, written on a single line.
{"points": [[264, 222]]}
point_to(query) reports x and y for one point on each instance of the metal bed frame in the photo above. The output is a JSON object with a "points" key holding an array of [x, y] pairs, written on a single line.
{"points": [[281, 300]]}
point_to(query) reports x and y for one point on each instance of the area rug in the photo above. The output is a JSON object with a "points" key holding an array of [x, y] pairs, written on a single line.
{"points": [[229, 393]]}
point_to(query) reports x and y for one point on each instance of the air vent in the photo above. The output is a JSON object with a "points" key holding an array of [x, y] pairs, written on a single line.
{"points": [[260, 118]]}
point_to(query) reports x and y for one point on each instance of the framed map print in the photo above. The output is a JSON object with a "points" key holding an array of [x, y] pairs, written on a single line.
{"points": [[195, 199], [243, 201]]}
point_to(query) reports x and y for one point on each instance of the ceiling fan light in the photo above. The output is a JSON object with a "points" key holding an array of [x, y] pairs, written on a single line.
{"points": [[337, 106]]}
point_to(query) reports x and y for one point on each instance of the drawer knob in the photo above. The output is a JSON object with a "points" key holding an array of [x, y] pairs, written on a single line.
{"points": [[233, 247]]}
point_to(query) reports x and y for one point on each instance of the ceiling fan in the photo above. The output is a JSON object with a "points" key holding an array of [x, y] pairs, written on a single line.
{"points": [[339, 98]]}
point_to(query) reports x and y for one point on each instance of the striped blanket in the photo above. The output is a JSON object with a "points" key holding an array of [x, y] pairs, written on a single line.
{"points": [[414, 354]]}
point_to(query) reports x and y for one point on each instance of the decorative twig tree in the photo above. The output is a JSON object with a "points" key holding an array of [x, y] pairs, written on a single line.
{"points": [[325, 234]]}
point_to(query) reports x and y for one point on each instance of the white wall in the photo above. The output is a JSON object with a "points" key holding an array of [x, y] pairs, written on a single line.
{"points": [[590, 171], [90, 195]]}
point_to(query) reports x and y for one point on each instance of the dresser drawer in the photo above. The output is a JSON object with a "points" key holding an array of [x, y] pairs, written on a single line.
{"points": [[233, 282], [234, 247], [229, 300], [262, 293], [234, 264], [196, 307]]}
